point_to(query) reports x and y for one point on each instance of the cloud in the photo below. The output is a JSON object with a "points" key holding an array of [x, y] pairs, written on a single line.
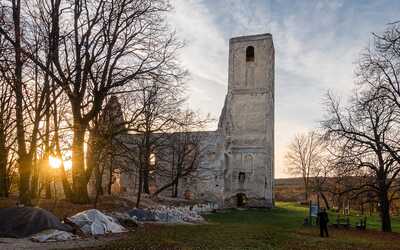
{"points": [[206, 51]]}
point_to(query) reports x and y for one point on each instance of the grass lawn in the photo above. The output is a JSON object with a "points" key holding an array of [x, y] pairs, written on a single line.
{"points": [[278, 228]]}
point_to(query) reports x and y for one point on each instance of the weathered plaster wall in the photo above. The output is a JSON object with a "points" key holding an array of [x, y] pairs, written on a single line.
{"points": [[238, 158], [248, 121]]}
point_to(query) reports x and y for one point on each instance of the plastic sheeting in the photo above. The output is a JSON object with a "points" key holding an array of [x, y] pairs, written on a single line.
{"points": [[95, 222], [20, 222], [52, 235], [125, 219]]}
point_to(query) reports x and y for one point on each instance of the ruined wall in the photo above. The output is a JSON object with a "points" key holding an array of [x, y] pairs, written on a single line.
{"points": [[248, 121], [207, 182], [238, 158]]}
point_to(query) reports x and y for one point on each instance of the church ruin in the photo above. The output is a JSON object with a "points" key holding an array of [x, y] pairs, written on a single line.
{"points": [[236, 167]]}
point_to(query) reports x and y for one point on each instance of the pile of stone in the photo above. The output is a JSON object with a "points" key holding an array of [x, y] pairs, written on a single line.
{"points": [[177, 215], [203, 208], [167, 214]]}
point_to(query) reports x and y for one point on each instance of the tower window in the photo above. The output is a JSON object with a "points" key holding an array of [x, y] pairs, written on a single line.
{"points": [[250, 54], [242, 177]]}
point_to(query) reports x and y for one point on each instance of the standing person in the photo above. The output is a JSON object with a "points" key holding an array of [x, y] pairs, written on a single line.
{"points": [[323, 222]]}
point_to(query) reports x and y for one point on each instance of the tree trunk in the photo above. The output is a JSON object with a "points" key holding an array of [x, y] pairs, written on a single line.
{"points": [[386, 225], [178, 175], [64, 178], [35, 180], [171, 184], [79, 177], [176, 187], [47, 183], [24, 161], [146, 188], [66, 186], [99, 180], [325, 200], [24, 181], [139, 194], [305, 180], [110, 179], [3, 167], [146, 167]]}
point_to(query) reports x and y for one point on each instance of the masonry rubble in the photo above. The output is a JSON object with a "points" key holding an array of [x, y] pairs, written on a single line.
{"points": [[171, 214]]}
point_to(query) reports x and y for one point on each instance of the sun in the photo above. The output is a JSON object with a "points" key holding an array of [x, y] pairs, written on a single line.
{"points": [[54, 162]]}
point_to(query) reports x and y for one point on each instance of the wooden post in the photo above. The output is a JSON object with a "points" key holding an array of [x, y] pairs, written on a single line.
{"points": [[309, 213]]}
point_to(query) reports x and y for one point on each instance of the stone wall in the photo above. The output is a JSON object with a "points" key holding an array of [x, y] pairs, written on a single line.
{"points": [[247, 122], [238, 158]]}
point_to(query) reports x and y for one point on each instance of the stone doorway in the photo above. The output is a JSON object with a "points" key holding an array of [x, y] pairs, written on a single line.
{"points": [[241, 199]]}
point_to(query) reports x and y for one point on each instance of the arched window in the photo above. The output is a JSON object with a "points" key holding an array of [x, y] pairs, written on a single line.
{"points": [[250, 54]]}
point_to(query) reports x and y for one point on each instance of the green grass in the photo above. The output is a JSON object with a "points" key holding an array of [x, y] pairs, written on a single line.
{"points": [[373, 222], [278, 228]]}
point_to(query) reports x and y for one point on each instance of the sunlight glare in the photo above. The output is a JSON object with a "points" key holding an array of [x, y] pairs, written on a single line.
{"points": [[68, 165], [54, 162]]}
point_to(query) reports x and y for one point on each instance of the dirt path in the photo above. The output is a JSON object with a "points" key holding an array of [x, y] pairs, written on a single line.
{"points": [[26, 243]]}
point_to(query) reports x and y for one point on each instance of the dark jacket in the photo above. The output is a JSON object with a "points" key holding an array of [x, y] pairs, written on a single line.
{"points": [[323, 218]]}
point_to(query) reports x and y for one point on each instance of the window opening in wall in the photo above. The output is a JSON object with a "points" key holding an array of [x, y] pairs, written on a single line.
{"points": [[250, 54], [152, 159], [242, 177]]}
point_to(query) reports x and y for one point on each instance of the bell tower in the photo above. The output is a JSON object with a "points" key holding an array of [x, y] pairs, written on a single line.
{"points": [[247, 122]]}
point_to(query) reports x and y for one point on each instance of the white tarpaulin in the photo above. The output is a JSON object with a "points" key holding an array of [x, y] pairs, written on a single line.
{"points": [[51, 235], [95, 222]]}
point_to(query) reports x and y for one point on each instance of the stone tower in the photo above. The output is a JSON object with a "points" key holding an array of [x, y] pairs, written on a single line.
{"points": [[247, 122]]}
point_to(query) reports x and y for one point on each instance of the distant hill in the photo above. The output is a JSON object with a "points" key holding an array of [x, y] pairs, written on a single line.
{"points": [[293, 181], [289, 189]]}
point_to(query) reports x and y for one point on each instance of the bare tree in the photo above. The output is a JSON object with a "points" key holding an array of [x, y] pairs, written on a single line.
{"points": [[304, 158], [102, 149], [181, 154], [7, 134], [97, 48], [362, 132], [157, 109], [29, 98]]}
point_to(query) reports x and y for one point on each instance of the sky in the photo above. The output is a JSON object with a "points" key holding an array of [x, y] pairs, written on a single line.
{"points": [[317, 45]]}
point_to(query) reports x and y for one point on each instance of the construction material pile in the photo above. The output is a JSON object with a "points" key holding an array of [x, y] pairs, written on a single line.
{"points": [[203, 208], [53, 235], [167, 215], [177, 215], [42, 226], [94, 222], [20, 222]]}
